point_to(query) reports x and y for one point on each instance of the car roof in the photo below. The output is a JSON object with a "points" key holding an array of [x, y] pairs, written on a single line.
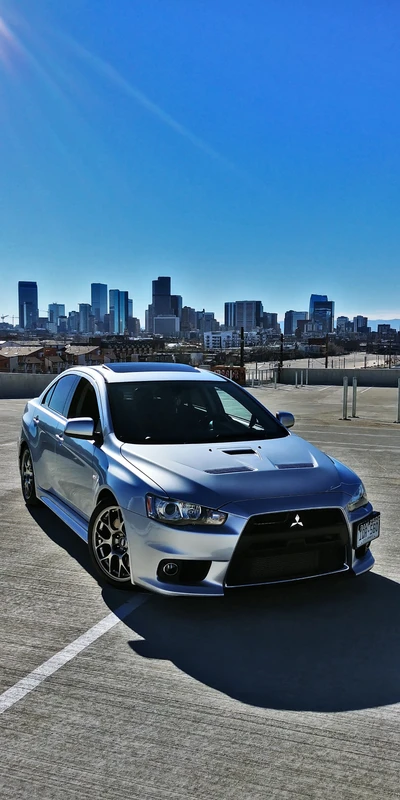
{"points": [[120, 372]]}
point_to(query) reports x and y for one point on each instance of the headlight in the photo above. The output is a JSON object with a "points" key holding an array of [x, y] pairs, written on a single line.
{"points": [[180, 512], [359, 499]]}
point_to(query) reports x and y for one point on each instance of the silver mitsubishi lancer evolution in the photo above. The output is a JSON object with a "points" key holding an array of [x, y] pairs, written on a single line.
{"points": [[182, 482]]}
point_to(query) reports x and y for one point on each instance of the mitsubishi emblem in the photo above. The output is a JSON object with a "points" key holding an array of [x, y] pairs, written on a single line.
{"points": [[297, 521]]}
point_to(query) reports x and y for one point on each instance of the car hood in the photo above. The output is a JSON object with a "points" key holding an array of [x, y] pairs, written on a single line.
{"points": [[216, 474]]}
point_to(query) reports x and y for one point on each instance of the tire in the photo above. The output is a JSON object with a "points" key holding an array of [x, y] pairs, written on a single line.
{"points": [[108, 546], [28, 479]]}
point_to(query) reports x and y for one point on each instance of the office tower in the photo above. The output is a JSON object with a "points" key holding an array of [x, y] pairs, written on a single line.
{"points": [[28, 304], [130, 308], [324, 315], [73, 322], [316, 298], [85, 312], [188, 319], [205, 321], [99, 301], [360, 324], [56, 310], [291, 321], [118, 311], [270, 321], [342, 325], [248, 314], [176, 305], [161, 296], [230, 315]]}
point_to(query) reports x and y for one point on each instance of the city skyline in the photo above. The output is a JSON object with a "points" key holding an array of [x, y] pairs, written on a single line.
{"points": [[165, 302], [250, 148]]}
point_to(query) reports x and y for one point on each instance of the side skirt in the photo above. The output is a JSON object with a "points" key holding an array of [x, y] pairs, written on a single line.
{"points": [[66, 514]]}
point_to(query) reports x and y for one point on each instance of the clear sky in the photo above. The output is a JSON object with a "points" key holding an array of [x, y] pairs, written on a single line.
{"points": [[251, 150]]}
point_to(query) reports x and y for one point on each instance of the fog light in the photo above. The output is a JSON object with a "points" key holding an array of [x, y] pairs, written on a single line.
{"points": [[170, 569]]}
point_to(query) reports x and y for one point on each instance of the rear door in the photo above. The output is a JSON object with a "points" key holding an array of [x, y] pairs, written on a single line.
{"points": [[45, 426], [77, 459]]}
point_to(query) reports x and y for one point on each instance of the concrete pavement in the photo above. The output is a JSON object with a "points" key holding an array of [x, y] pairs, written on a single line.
{"points": [[280, 692]]}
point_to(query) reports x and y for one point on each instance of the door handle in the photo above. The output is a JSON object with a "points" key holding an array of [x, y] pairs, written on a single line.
{"points": [[35, 420], [59, 437]]}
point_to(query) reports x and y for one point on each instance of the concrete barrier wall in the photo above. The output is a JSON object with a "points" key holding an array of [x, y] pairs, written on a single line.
{"points": [[16, 386], [334, 377]]}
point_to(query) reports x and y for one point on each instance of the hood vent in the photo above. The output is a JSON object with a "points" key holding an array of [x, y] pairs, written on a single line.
{"points": [[243, 452], [295, 466], [227, 470]]}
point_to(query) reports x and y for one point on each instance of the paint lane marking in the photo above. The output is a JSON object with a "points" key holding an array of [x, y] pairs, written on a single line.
{"points": [[53, 664], [368, 447]]}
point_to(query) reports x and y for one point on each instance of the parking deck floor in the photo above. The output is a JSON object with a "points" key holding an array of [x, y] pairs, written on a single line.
{"points": [[290, 691]]}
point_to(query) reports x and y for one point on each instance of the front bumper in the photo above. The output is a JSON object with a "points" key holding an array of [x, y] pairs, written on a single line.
{"points": [[151, 542]]}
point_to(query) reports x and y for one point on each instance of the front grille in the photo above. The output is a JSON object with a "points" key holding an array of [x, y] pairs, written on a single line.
{"points": [[289, 545]]}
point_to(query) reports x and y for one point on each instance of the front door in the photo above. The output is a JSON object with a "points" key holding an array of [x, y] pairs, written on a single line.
{"points": [[77, 478]]}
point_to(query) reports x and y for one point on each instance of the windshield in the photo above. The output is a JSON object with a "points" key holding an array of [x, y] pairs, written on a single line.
{"points": [[182, 412]]}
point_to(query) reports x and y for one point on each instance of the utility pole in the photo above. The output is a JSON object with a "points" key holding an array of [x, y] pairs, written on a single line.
{"points": [[326, 350], [242, 347]]}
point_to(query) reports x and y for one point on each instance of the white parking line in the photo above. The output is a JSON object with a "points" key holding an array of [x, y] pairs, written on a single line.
{"points": [[31, 681]]}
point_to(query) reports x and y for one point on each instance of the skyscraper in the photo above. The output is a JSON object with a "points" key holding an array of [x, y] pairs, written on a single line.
{"points": [[161, 296], [248, 314], [56, 310], [176, 305], [324, 315], [99, 301], [118, 311], [28, 304], [230, 315], [316, 298], [85, 310], [291, 321]]}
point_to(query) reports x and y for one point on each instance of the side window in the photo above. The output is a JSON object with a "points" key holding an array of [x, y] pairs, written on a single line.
{"points": [[61, 393], [84, 402], [48, 395], [233, 407]]}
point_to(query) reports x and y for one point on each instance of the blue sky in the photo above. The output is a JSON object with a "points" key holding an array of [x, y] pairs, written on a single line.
{"points": [[249, 150]]}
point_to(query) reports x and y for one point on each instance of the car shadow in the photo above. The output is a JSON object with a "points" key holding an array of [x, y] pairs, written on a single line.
{"points": [[325, 645]]}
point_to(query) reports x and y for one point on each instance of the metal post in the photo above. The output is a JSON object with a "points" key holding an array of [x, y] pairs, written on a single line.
{"points": [[301, 377], [345, 391], [256, 370], [398, 400], [295, 378], [242, 347], [275, 377], [306, 377], [354, 399]]}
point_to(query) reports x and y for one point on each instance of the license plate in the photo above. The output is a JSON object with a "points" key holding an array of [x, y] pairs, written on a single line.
{"points": [[368, 530]]}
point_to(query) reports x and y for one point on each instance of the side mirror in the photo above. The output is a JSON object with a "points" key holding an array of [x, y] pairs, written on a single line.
{"points": [[285, 418], [80, 428]]}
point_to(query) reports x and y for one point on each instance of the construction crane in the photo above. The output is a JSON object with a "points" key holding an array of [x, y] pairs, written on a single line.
{"points": [[4, 316]]}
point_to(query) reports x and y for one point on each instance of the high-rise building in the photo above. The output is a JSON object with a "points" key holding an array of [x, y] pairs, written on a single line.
{"points": [[176, 305], [324, 315], [28, 304], [188, 319], [342, 325], [360, 324], [73, 322], [270, 321], [161, 296], [56, 310], [316, 298], [130, 308], [248, 314], [291, 321], [205, 321], [99, 301], [230, 315], [85, 312], [118, 311]]}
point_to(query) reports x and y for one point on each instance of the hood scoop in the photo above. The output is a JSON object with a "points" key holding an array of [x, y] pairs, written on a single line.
{"points": [[228, 470], [244, 451], [296, 466]]}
